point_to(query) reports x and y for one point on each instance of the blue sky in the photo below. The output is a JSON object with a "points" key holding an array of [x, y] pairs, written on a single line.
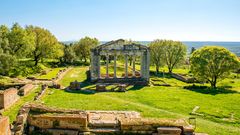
{"points": [[185, 20]]}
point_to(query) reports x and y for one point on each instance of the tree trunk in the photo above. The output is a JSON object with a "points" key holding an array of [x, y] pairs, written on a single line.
{"points": [[214, 83], [157, 69], [169, 70], [36, 61]]}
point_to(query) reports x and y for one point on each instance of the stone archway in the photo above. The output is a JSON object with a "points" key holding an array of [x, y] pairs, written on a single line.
{"points": [[120, 48]]}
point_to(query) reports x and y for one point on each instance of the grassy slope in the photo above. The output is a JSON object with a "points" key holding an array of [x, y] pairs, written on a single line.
{"points": [[171, 102], [13, 110], [51, 74]]}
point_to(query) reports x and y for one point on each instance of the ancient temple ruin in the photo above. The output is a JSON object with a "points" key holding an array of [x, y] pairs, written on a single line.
{"points": [[115, 49]]}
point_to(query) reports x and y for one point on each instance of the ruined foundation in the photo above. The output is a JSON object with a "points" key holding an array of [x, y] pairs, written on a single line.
{"points": [[43, 120]]}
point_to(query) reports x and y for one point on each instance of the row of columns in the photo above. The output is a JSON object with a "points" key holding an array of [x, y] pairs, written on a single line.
{"points": [[115, 66]]}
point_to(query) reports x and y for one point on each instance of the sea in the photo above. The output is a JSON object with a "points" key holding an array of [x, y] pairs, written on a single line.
{"points": [[232, 46]]}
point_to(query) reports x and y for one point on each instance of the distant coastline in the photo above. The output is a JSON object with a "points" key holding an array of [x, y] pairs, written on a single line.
{"points": [[233, 46]]}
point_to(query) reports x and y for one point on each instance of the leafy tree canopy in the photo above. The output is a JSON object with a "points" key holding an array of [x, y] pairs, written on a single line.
{"points": [[171, 52], [83, 47], [213, 63], [45, 44]]}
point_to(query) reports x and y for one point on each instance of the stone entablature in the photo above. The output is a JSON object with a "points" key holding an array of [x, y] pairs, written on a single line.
{"points": [[8, 97], [115, 49]]}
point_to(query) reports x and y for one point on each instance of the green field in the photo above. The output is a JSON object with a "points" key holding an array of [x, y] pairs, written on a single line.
{"points": [[220, 108], [50, 74]]}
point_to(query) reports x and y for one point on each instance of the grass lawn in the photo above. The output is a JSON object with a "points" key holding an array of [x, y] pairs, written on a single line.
{"points": [[221, 108], [51, 74], [13, 110]]}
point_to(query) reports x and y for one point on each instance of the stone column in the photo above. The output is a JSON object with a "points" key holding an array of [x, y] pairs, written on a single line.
{"points": [[145, 63], [107, 60], [115, 66], [126, 65], [95, 66], [99, 67], [133, 60]]}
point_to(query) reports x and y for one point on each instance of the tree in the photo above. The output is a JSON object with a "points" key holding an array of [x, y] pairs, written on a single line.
{"points": [[20, 43], [171, 53], [212, 64], [7, 63], [45, 44], [83, 47], [156, 51], [4, 42], [174, 53], [69, 54]]}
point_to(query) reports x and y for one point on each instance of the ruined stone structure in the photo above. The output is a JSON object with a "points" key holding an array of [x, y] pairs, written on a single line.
{"points": [[39, 118], [4, 126], [26, 89], [115, 49], [8, 97]]}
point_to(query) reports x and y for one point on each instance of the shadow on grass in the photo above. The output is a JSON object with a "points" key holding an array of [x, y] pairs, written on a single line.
{"points": [[209, 90], [136, 88], [161, 75]]}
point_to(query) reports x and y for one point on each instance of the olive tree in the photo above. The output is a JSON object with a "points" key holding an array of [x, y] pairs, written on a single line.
{"points": [[45, 44], [213, 63], [83, 47], [156, 51], [171, 52]]}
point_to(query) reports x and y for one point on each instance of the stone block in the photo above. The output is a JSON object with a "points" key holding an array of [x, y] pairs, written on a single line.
{"points": [[122, 87], [8, 97], [4, 126], [75, 85], [25, 89], [169, 131], [60, 121], [62, 132], [100, 87]]}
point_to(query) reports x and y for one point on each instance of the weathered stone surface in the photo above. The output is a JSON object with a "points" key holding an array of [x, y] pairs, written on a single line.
{"points": [[62, 132], [75, 85], [25, 89], [20, 119], [122, 87], [147, 124], [59, 121], [4, 126], [100, 87], [8, 97], [109, 118], [169, 131]]}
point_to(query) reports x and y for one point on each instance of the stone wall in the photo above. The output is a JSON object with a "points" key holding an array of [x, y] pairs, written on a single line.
{"points": [[8, 97], [70, 122], [25, 89], [183, 78], [4, 126], [59, 121]]}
